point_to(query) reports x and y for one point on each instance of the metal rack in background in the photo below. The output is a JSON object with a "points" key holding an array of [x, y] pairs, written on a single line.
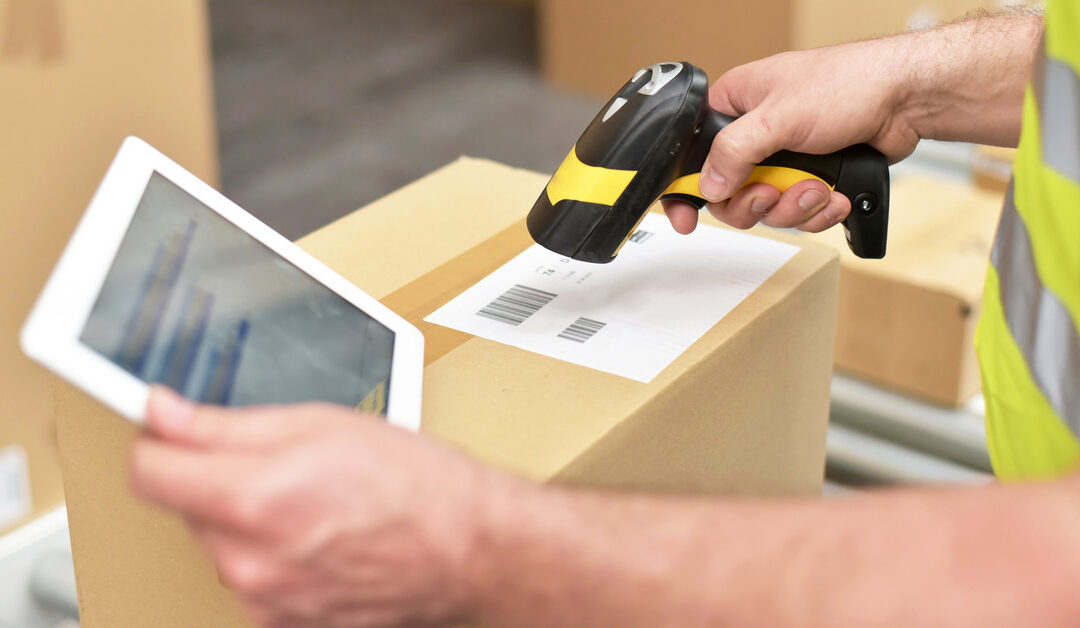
{"points": [[881, 438], [37, 581], [877, 437]]}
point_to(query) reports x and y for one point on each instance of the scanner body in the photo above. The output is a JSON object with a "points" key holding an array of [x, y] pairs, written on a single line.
{"points": [[650, 141]]}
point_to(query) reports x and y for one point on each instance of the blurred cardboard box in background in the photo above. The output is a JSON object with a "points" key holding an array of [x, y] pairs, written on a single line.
{"points": [[742, 411], [991, 167], [594, 46], [907, 322], [75, 78]]}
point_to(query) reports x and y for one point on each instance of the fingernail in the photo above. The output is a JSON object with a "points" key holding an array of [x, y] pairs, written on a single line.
{"points": [[713, 186], [170, 408], [760, 206], [811, 199]]}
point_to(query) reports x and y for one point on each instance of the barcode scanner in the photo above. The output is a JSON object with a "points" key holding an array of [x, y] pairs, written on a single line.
{"points": [[649, 143]]}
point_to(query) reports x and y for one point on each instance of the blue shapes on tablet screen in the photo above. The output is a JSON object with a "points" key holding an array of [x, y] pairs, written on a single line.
{"points": [[187, 339], [193, 303], [174, 359], [158, 285], [220, 374]]}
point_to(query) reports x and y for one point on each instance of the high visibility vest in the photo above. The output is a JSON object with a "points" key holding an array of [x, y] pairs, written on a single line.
{"points": [[1028, 339]]}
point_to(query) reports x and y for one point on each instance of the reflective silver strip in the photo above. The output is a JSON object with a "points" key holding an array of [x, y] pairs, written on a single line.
{"points": [[1038, 321], [1058, 90]]}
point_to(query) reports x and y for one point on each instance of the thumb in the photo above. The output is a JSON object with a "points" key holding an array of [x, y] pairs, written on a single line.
{"points": [[737, 149], [172, 418]]}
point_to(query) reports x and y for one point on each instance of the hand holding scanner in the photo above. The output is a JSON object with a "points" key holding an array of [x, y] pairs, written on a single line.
{"points": [[649, 143]]}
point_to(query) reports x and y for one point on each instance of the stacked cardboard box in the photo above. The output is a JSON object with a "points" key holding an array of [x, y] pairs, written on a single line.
{"points": [[908, 321], [76, 78], [596, 45], [991, 167]]}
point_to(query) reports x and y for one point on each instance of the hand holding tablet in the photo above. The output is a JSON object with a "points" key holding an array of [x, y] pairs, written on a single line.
{"points": [[167, 281]]}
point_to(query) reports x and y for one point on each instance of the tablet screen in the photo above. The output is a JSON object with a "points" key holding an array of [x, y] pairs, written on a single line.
{"points": [[196, 304]]}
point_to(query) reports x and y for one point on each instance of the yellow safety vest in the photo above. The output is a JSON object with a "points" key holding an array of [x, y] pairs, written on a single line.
{"points": [[1028, 339]]}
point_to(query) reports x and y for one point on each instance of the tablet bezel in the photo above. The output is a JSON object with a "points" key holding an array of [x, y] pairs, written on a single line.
{"points": [[51, 334]]}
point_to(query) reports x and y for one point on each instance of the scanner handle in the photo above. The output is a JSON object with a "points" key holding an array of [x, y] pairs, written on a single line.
{"points": [[859, 172]]}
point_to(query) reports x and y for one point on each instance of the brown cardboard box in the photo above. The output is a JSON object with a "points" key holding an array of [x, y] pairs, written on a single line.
{"points": [[991, 167], [908, 321], [76, 78], [743, 411], [825, 22], [596, 45]]}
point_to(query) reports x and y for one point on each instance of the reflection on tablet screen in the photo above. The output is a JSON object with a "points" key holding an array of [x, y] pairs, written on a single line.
{"points": [[196, 304]]}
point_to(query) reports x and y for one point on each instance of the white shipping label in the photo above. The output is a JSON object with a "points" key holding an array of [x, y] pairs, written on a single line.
{"points": [[631, 317], [14, 485]]}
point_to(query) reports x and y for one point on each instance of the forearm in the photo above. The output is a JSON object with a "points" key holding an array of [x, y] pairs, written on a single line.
{"points": [[997, 556], [965, 81]]}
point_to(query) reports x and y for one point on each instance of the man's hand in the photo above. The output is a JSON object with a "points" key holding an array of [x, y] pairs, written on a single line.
{"points": [[801, 101], [963, 81], [315, 515]]}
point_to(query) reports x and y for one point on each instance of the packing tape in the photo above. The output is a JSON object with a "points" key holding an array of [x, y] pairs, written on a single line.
{"points": [[437, 287], [32, 27]]}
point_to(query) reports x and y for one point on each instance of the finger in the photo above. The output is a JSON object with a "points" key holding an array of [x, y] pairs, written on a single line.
{"points": [[737, 148], [735, 91], [834, 213], [259, 613], [751, 204], [193, 483], [683, 216], [799, 203], [242, 565], [219, 541], [722, 212], [179, 421]]}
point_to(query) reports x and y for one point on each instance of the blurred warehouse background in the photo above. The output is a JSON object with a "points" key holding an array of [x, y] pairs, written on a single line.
{"points": [[302, 111], [324, 106]]}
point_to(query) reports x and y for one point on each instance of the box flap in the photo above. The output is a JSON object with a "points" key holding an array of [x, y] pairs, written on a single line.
{"points": [[398, 238]]}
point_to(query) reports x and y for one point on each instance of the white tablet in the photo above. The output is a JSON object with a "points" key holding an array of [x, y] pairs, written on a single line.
{"points": [[167, 281]]}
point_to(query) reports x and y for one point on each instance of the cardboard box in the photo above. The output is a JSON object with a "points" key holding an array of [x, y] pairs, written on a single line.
{"points": [[991, 167], [77, 77], [817, 23], [594, 46], [907, 322], [743, 411]]}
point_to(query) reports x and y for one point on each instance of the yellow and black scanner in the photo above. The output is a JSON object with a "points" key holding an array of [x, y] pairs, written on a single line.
{"points": [[650, 141]]}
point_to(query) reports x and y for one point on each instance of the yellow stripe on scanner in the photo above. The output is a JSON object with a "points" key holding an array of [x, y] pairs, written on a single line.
{"points": [[777, 176], [627, 238], [578, 181]]}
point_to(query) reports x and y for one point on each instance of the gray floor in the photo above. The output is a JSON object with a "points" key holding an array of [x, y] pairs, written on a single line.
{"points": [[326, 105]]}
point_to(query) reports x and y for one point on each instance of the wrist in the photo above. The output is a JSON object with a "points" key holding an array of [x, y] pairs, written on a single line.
{"points": [[964, 81], [924, 81], [501, 514]]}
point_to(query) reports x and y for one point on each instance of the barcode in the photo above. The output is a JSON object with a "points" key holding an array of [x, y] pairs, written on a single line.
{"points": [[640, 236], [517, 304], [582, 329]]}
